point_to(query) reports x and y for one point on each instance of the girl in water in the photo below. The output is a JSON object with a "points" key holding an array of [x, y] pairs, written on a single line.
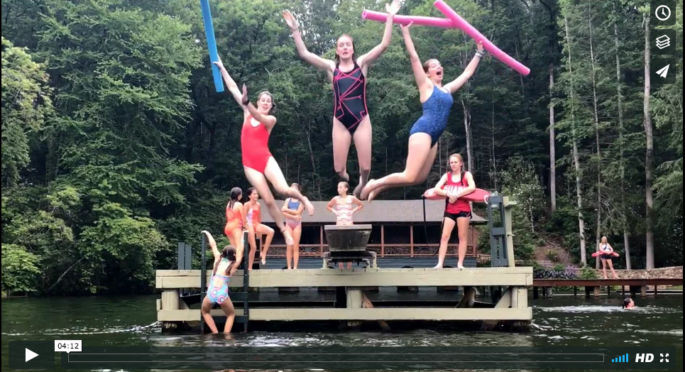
{"points": [[606, 250], [217, 290], [255, 227], [234, 222], [292, 211], [344, 206], [348, 74], [258, 163], [628, 303], [454, 185], [423, 137]]}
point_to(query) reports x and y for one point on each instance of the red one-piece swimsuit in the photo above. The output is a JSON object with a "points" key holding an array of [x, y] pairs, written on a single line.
{"points": [[254, 141]]}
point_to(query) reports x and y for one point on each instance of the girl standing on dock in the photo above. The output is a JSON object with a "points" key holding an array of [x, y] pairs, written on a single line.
{"points": [[217, 290], [454, 185], [349, 74], [606, 251], [292, 211], [344, 206], [259, 165], [234, 221], [255, 227]]}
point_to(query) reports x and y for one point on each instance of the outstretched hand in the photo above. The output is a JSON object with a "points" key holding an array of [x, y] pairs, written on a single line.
{"points": [[290, 20], [219, 64], [393, 8], [481, 49], [405, 28], [246, 99]]}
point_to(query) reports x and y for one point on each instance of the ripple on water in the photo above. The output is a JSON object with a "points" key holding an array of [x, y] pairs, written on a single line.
{"points": [[606, 309]]}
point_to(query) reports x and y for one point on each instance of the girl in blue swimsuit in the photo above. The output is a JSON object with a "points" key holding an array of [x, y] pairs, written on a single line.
{"points": [[423, 139], [217, 290]]}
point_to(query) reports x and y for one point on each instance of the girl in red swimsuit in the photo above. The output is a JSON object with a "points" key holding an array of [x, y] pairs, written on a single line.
{"points": [[258, 163], [234, 222], [454, 185], [348, 75]]}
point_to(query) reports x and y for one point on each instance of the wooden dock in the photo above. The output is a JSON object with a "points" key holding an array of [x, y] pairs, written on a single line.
{"points": [[513, 305], [593, 286], [508, 284]]}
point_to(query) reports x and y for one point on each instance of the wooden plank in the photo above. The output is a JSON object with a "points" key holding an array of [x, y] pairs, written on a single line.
{"points": [[390, 314], [372, 314], [605, 282], [519, 298], [521, 277], [188, 315]]}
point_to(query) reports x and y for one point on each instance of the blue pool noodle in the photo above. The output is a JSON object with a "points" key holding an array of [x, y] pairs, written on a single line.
{"points": [[211, 43]]}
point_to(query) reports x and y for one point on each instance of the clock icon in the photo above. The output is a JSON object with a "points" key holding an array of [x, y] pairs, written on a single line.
{"points": [[663, 13]]}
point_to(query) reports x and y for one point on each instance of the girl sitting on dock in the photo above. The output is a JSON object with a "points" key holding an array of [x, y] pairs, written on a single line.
{"points": [[217, 290], [343, 206], [606, 253], [255, 227]]}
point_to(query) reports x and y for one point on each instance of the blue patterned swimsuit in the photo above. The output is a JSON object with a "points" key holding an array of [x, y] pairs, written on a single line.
{"points": [[436, 111], [218, 293]]}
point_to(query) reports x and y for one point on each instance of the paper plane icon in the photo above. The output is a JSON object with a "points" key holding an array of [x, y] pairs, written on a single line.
{"points": [[664, 71]]}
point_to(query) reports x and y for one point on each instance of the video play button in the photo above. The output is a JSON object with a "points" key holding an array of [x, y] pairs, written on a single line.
{"points": [[29, 355]]}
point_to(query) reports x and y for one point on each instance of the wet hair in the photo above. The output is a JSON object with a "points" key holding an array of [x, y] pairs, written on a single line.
{"points": [[273, 102], [426, 65], [228, 253], [354, 54], [250, 191], [236, 193], [626, 302], [461, 159]]}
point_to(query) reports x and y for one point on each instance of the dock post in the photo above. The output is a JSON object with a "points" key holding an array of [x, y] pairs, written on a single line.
{"points": [[643, 291], [575, 291], [355, 300], [170, 301], [596, 291], [536, 293], [588, 290]]}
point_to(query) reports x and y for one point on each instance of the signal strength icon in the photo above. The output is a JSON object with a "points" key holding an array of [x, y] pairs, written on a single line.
{"points": [[621, 359]]}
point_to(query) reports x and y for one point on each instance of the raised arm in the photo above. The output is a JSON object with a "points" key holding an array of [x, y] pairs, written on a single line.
{"points": [[212, 245], [268, 120], [419, 74], [309, 57], [231, 84], [438, 187], [375, 53], [468, 73]]}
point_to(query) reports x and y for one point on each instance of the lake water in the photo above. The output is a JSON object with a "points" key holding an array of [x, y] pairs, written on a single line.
{"points": [[131, 321]]}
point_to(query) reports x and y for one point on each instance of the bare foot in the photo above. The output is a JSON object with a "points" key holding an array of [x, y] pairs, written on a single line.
{"points": [[366, 190], [288, 238], [438, 266], [358, 190], [460, 267], [263, 257], [309, 206]]}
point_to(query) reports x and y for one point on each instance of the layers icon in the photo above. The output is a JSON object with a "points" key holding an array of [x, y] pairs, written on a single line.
{"points": [[663, 42]]}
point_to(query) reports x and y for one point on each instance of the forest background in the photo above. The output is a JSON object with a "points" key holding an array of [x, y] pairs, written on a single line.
{"points": [[115, 145]]}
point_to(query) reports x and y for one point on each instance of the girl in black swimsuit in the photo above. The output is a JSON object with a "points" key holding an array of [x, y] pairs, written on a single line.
{"points": [[348, 75]]}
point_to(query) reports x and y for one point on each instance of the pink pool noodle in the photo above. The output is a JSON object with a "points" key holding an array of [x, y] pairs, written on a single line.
{"points": [[496, 52], [405, 20]]}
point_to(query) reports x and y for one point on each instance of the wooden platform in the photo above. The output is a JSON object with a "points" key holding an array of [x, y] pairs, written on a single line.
{"points": [[513, 305]]}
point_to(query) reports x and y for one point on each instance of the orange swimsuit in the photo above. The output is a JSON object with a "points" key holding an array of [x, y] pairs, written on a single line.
{"points": [[234, 220]]}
